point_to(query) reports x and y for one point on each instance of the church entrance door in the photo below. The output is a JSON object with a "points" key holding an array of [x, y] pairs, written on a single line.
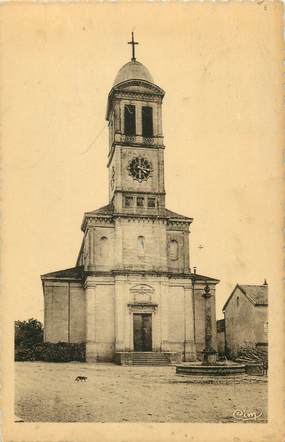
{"points": [[142, 332]]}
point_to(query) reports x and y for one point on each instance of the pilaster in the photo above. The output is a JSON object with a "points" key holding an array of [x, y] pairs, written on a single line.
{"points": [[138, 119], [120, 314], [190, 349], [90, 294], [164, 315]]}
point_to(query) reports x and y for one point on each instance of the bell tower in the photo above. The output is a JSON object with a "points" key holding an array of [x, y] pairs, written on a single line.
{"points": [[136, 149]]}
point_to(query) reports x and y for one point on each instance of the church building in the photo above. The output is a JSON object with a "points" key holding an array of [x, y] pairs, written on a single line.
{"points": [[131, 293]]}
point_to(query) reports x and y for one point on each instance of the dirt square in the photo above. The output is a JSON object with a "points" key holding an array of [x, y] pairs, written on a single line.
{"points": [[48, 392]]}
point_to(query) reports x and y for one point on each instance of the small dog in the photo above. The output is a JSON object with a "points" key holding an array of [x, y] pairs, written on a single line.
{"points": [[80, 379]]}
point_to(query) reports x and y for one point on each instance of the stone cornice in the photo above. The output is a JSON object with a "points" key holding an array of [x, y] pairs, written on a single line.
{"points": [[139, 192], [149, 91], [199, 279], [110, 219]]}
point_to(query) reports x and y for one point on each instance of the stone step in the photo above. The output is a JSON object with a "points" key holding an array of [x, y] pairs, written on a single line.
{"points": [[151, 363], [151, 355], [147, 358], [157, 358], [150, 359]]}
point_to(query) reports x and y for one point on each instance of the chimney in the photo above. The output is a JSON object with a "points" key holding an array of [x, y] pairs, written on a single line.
{"points": [[265, 282], [194, 268]]}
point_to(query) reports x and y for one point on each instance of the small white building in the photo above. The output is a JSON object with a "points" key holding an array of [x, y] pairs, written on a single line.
{"points": [[246, 321]]}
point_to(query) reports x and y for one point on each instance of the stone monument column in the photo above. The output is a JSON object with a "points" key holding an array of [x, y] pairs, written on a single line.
{"points": [[210, 355]]}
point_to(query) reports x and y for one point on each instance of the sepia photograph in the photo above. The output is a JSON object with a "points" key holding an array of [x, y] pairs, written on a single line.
{"points": [[142, 219]]}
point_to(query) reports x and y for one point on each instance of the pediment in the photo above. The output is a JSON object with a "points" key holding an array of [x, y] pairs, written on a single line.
{"points": [[142, 293], [139, 86]]}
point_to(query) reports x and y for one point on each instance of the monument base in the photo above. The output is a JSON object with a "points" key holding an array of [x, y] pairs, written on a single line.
{"points": [[218, 369]]}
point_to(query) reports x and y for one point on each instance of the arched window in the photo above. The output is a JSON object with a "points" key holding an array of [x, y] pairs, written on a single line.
{"points": [[173, 250], [103, 247], [130, 119], [141, 246], [147, 122], [237, 301]]}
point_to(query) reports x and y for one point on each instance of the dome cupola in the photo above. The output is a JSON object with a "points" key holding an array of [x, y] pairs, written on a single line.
{"points": [[133, 70]]}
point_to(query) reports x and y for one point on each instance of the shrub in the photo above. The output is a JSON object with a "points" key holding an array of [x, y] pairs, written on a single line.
{"points": [[51, 352], [28, 333]]}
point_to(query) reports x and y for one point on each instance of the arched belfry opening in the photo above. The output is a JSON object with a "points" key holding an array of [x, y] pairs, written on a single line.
{"points": [[147, 122], [130, 119]]}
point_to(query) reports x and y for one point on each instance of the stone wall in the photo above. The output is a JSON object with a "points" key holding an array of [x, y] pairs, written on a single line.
{"points": [[261, 324], [140, 245], [64, 312], [77, 313], [112, 302], [176, 318], [221, 342]]}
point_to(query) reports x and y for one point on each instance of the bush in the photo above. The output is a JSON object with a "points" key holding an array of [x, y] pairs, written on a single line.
{"points": [[29, 345], [28, 333], [24, 354], [50, 352]]}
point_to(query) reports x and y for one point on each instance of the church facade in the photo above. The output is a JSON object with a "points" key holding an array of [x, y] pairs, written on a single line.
{"points": [[132, 290]]}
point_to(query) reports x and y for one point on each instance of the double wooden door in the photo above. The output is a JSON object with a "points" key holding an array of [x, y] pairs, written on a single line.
{"points": [[142, 332]]}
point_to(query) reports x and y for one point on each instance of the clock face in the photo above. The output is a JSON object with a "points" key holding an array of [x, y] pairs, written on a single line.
{"points": [[140, 168]]}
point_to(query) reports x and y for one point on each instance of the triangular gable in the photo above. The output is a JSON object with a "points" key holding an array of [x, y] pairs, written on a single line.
{"points": [[242, 291]]}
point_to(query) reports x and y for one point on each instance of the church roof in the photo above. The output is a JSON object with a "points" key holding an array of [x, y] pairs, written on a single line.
{"points": [[171, 214], [133, 70], [197, 277], [72, 273], [256, 294], [105, 210], [108, 211]]}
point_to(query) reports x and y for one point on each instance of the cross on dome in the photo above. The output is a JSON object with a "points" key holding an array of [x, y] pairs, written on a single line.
{"points": [[133, 43]]}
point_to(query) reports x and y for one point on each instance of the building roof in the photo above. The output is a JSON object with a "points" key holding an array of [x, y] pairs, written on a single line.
{"points": [[171, 214], [133, 70], [105, 210], [256, 294], [72, 273], [109, 210], [197, 277]]}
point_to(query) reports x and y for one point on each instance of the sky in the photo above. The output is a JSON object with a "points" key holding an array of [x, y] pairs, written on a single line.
{"points": [[221, 72]]}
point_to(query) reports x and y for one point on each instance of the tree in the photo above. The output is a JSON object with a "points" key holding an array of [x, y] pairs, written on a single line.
{"points": [[28, 333]]}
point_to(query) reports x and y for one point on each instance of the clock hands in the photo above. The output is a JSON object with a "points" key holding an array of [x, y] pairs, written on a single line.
{"points": [[143, 169], [139, 168]]}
